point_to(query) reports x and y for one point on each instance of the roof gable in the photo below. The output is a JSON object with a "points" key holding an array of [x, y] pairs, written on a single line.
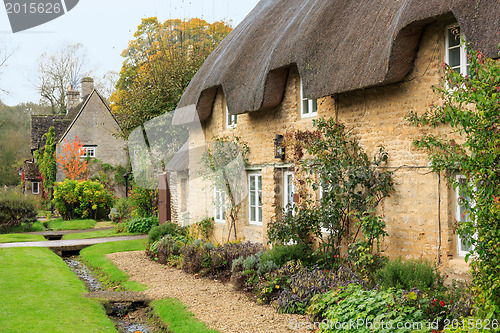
{"points": [[75, 114]]}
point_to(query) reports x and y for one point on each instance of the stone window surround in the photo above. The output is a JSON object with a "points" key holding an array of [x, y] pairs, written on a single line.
{"points": [[35, 187], [257, 175]]}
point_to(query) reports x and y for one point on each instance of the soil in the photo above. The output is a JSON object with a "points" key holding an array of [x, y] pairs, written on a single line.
{"points": [[215, 303]]}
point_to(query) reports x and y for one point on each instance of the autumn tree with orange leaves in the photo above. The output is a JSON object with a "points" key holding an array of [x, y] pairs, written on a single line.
{"points": [[159, 64], [70, 160]]}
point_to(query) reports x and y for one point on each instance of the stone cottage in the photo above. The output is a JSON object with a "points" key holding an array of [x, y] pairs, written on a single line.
{"points": [[366, 64], [89, 118]]}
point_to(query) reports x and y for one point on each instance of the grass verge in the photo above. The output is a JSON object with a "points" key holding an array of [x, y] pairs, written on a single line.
{"points": [[60, 224], [174, 313], [95, 257], [36, 226], [97, 234], [12, 238], [40, 294]]}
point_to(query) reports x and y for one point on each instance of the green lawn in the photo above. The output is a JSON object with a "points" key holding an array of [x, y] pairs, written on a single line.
{"points": [[97, 234], [95, 257], [174, 313], [39, 293], [60, 224], [11, 238]]}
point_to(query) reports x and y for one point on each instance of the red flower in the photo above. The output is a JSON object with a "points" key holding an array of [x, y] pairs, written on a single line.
{"points": [[442, 303]]}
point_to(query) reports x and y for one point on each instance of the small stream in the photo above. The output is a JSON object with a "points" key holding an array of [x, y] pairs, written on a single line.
{"points": [[127, 317]]}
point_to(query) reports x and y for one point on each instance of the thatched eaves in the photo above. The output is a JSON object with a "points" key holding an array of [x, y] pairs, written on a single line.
{"points": [[336, 45]]}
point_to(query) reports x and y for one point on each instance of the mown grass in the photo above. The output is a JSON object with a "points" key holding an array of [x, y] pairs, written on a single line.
{"points": [[36, 226], [95, 257], [12, 238], [179, 320], [60, 224], [97, 234], [39, 293]]}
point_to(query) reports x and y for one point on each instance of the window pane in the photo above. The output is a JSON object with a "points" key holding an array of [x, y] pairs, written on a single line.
{"points": [[314, 105], [454, 57], [252, 213], [259, 181], [452, 38], [252, 183], [305, 106], [260, 214], [252, 198]]}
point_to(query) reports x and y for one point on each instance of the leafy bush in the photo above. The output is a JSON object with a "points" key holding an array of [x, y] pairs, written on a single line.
{"points": [[167, 228], [195, 256], [144, 202], [281, 254], [82, 199], [16, 209], [420, 274], [121, 211], [304, 284], [142, 224], [168, 246], [221, 257], [353, 302]]}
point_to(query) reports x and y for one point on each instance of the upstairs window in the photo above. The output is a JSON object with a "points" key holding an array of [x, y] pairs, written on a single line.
{"points": [[456, 54], [308, 107], [231, 120], [88, 151]]}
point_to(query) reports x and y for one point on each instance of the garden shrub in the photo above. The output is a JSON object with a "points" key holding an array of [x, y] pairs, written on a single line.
{"points": [[82, 199], [16, 209], [221, 257], [144, 202], [195, 256], [167, 228], [142, 224], [168, 246], [302, 287], [419, 273], [281, 254], [121, 211], [353, 302]]}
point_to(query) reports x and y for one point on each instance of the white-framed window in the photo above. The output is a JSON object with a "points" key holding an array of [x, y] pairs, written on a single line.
{"points": [[462, 215], [88, 151], [288, 190], [219, 205], [322, 191], [35, 187], [231, 120], [456, 54], [255, 198], [308, 107]]}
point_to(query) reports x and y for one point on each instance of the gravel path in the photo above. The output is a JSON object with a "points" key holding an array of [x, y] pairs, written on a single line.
{"points": [[212, 302]]}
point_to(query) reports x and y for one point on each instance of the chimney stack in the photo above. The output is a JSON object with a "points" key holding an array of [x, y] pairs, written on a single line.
{"points": [[72, 98], [87, 86]]}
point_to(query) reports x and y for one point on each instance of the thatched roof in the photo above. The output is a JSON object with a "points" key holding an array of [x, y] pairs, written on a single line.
{"points": [[337, 46]]}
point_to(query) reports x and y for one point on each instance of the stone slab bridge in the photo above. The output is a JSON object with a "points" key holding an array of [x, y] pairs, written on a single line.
{"points": [[68, 246]]}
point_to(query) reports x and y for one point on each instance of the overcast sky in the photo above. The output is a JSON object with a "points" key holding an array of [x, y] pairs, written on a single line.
{"points": [[104, 27]]}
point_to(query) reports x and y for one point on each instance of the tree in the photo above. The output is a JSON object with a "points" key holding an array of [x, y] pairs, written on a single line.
{"points": [[70, 160], [225, 162], [470, 107], [46, 161], [15, 139], [57, 71], [159, 64]]}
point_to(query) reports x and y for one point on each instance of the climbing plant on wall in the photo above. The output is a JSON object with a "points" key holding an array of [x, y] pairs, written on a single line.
{"points": [[470, 106], [46, 161], [330, 160]]}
